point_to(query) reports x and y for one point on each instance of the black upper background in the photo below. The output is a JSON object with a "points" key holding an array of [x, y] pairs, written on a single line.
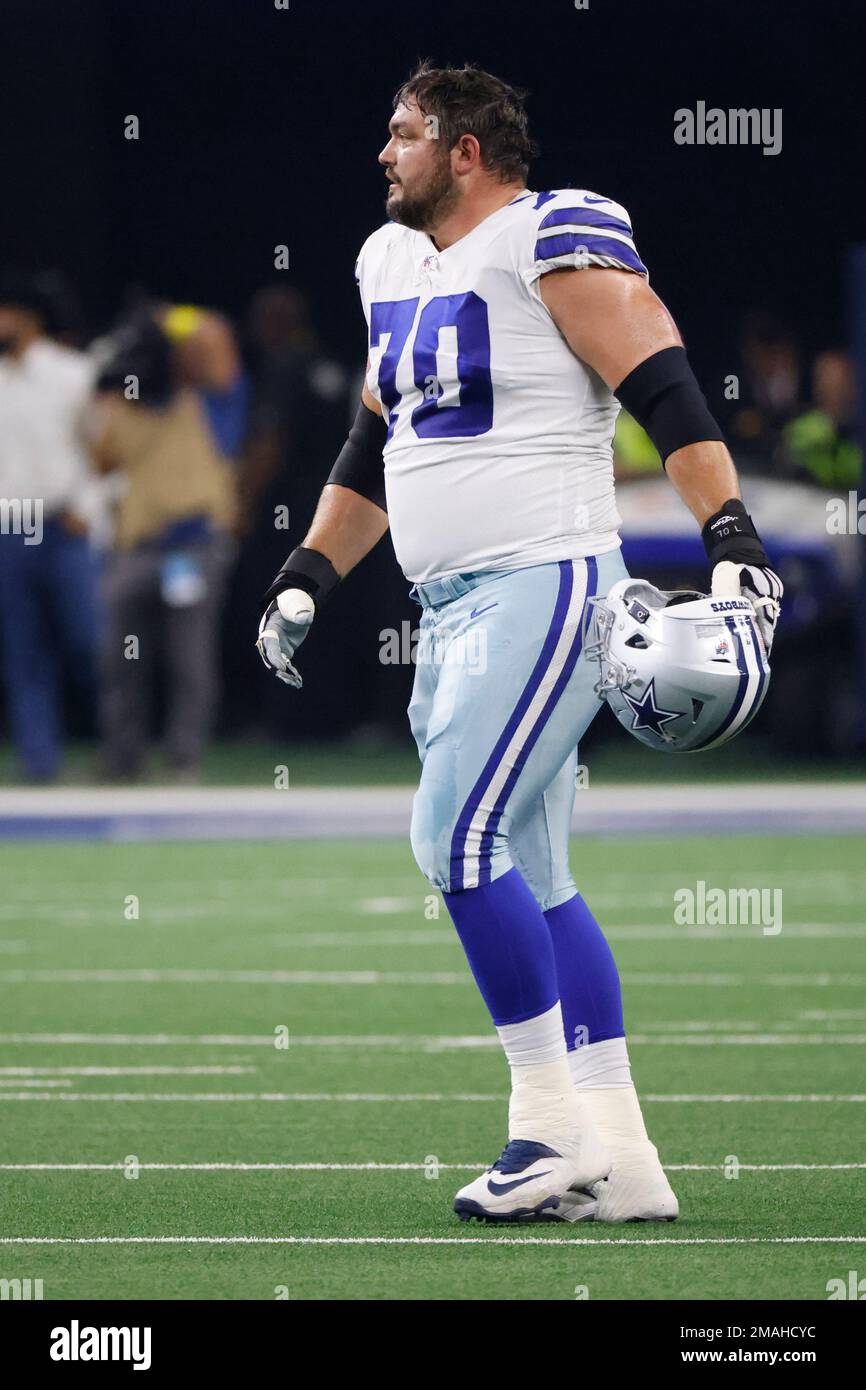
{"points": [[261, 126]]}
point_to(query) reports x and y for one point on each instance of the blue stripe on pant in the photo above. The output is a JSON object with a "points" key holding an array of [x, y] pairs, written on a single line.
{"points": [[502, 695], [557, 641]]}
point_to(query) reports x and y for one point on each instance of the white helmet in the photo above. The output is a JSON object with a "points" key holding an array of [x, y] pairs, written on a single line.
{"points": [[681, 671]]}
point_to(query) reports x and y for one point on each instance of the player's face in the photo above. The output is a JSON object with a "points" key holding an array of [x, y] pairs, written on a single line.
{"points": [[15, 325], [423, 189]]}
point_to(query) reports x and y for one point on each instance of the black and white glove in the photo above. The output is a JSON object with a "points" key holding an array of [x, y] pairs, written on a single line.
{"points": [[304, 582], [284, 625], [758, 583], [740, 567]]}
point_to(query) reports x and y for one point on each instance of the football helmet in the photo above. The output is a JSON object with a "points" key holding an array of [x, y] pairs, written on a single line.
{"points": [[681, 671]]}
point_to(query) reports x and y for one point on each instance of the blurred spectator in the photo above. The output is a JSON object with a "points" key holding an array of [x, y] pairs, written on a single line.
{"points": [[820, 444], [299, 418], [303, 406], [298, 412], [769, 390], [47, 575], [634, 454], [172, 414]]}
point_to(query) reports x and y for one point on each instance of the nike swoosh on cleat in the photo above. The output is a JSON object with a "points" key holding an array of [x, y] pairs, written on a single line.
{"points": [[587, 199], [476, 612], [500, 1188]]}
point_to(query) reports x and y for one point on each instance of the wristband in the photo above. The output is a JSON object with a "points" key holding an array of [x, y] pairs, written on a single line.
{"points": [[729, 534], [308, 570]]}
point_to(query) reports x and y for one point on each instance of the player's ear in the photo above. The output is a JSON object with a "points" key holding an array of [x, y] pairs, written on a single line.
{"points": [[466, 153]]}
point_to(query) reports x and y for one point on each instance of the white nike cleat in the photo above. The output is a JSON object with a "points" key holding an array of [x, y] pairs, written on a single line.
{"points": [[528, 1181], [636, 1189]]}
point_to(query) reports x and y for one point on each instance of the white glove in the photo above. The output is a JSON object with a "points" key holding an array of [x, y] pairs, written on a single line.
{"points": [[762, 587], [283, 628]]}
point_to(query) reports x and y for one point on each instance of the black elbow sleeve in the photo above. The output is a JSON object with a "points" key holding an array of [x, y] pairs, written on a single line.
{"points": [[664, 397], [359, 464]]}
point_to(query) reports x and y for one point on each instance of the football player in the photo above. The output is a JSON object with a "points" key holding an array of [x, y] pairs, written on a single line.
{"points": [[506, 326]]}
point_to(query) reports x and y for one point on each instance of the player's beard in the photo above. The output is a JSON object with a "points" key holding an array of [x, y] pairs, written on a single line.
{"points": [[424, 209]]}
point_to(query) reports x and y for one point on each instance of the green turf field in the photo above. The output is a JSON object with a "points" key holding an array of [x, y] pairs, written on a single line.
{"points": [[153, 1041], [371, 760]]}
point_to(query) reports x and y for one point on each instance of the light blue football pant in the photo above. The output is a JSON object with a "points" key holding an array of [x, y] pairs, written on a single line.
{"points": [[503, 693]]}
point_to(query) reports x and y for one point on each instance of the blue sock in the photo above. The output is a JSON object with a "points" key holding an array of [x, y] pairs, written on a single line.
{"points": [[508, 946], [588, 978]]}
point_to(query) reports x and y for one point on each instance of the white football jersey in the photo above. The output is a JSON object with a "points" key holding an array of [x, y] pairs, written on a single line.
{"points": [[498, 453]]}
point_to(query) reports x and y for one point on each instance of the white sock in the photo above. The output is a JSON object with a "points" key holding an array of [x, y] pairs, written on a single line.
{"points": [[535, 1040], [544, 1105], [601, 1074], [600, 1064]]}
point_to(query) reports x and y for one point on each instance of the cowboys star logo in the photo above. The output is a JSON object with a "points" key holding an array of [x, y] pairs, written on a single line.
{"points": [[647, 714]]}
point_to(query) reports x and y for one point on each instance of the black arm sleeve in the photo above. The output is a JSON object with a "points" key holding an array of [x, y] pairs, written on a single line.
{"points": [[664, 397], [359, 464]]}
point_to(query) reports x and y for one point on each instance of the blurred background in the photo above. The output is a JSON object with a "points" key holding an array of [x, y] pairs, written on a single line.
{"points": [[186, 188]]}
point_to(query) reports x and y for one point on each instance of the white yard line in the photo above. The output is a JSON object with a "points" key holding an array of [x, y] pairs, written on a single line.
{"points": [[670, 1035], [378, 1098], [444, 936], [235, 977], [388, 1167], [141, 1039], [832, 1015], [720, 980], [430, 1240], [436, 936], [230, 1097], [798, 930], [419, 977], [18, 1072], [206, 914], [746, 1039], [18, 1081], [747, 1099]]}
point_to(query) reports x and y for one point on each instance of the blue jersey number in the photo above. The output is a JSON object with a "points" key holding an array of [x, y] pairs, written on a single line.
{"points": [[468, 315]]}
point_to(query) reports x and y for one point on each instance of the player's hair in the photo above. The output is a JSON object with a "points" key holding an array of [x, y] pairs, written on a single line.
{"points": [[469, 101]]}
